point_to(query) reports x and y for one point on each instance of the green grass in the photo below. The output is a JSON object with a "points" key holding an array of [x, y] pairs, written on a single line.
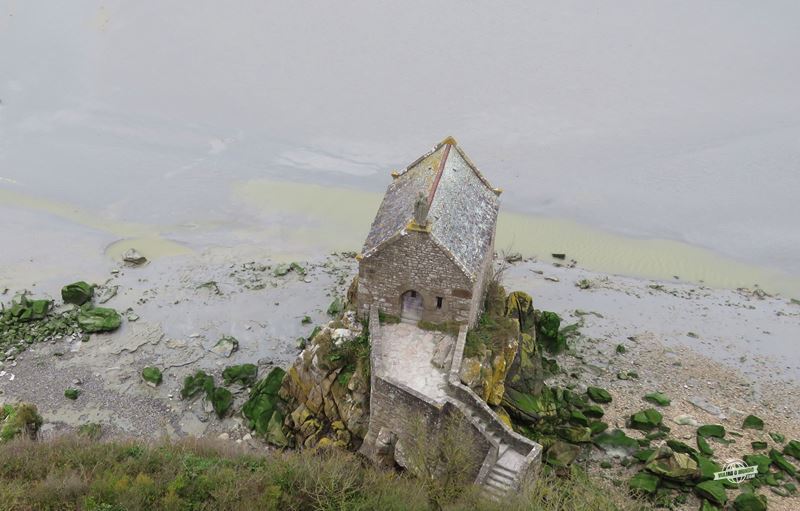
{"points": [[74, 473]]}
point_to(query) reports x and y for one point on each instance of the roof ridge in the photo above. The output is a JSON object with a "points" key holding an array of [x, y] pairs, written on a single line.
{"points": [[439, 173]]}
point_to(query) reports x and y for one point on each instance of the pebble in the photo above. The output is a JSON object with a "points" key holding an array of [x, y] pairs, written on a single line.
{"points": [[224, 436]]}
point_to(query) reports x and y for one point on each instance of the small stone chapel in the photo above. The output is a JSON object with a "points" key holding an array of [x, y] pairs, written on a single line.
{"points": [[429, 252]]}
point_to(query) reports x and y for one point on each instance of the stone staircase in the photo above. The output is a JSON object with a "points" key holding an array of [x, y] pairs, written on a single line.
{"points": [[503, 470], [503, 474]]}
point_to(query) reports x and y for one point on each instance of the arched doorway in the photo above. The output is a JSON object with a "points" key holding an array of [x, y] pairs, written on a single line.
{"points": [[411, 306]]}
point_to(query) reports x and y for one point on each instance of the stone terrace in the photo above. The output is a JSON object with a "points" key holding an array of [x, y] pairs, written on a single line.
{"points": [[414, 369]]}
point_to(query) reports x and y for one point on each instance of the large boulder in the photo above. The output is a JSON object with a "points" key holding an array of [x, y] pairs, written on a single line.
{"points": [[326, 389]]}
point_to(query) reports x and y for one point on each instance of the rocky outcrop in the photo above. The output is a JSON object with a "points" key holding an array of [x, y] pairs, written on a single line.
{"points": [[327, 387]]}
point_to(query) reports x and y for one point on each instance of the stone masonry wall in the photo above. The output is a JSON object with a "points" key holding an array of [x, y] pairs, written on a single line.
{"points": [[414, 261], [398, 409]]}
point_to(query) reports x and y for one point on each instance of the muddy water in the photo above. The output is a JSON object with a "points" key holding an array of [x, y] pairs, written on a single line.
{"points": [[289, 220], [338, 219]]}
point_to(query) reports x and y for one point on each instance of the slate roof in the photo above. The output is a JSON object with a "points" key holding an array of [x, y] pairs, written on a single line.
{"points": [[462, 206]]}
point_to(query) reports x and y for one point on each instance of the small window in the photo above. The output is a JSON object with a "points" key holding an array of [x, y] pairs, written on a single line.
{"points": [[413, 294], [439, 301]]}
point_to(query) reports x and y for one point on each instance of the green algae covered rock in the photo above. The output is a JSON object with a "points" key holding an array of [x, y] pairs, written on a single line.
{"points": [[264, 402], [548, 333], [644, 482], [98, 319], [245, 374], [221, 399], [527, 407], [758, 445], [336, 307], [713, 491], [711, 430], [616, 442], [750, 502], [196, 383], [706, 467], [275, 434], [71, 393], [593, 411], [792, 449], [782, 463], [708, 506], [657, 398], [23, 309], [758, 460], [152, 376], [577, 417], [561, 454], [646, 420], [575, 434], [702, 444], [77, 293], [598, 427], [752, 422], [22, 419], [664, 462], [678, 446], [598, 395]]}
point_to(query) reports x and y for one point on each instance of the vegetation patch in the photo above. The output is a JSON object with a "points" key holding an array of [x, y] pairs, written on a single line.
{"points": [[20, 420], [75, 473]]}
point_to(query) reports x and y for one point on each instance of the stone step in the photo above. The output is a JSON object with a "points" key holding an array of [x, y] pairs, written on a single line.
{"points": [[501, 487], [504, 470], [492, 493], [502, 475], [505, 483]]}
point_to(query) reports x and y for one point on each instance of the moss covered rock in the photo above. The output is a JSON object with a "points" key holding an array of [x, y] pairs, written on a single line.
{"points": [[264, 402], [664, 462], [244, 374], [782, 463], [752, 422], [657, 398], [197, 383], [561, 454], [713, 491], [99, 319], [616, 442], [644, 482], [750, 502], [646, 420], [77, 293], [792, 449], [152, 376], [598, 395], [221, 400], [712, 430]]}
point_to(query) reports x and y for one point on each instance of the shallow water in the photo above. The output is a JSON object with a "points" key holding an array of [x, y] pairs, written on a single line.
{"points": [[626, 136]]}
